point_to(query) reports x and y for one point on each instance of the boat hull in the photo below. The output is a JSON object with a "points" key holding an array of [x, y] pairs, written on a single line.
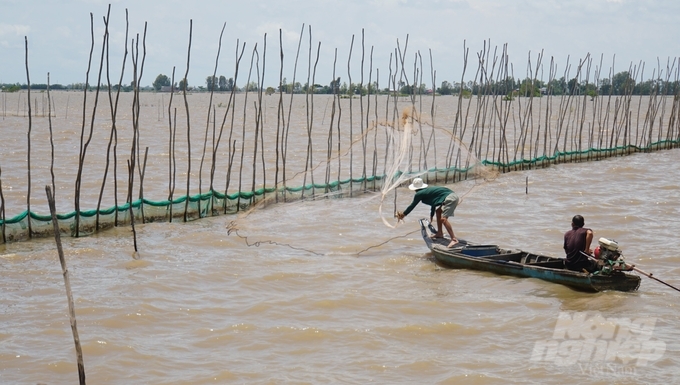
{"points": [[520, 263]]}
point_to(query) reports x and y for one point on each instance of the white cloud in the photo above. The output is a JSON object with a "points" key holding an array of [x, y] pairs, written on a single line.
{"points": [[388, 3], [272, 31], [14, 30]]}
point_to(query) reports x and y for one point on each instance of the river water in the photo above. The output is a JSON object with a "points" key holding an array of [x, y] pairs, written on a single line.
{"points": [[321, 291]]}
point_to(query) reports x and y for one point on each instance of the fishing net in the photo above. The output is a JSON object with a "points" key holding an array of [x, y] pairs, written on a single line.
{"points": [[402, 136], [212, 203]]}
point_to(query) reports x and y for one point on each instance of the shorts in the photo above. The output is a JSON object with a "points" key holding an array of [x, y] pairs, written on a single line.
{"points": [[582, 264], [449, 205]]}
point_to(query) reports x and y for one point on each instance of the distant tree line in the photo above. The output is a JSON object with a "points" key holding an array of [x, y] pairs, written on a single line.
{"points": [[221, 83], [620, 84], [16, 87], [70, 87]]}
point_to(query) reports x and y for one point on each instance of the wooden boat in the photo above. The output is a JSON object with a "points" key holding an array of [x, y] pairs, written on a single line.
{"points": [[520, 263]]}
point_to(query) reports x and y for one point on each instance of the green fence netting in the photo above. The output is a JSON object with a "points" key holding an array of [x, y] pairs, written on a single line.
{"points": [[214, 203]]}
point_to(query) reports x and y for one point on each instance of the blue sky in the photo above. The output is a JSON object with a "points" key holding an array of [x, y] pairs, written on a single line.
{"points": [[619, 31]]}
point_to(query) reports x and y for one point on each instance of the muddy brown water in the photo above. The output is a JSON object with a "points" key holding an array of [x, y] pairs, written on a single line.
{"points": [[321, 291]]}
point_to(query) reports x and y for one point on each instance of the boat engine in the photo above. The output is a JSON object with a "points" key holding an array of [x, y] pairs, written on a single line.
{"points": [[608, 250], [609, 255]]}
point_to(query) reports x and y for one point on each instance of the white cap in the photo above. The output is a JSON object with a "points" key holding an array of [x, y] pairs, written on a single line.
{"points": [[417, 184]]}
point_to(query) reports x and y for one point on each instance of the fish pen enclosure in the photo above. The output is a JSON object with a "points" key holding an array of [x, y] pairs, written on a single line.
{"points": [[111, 156]]}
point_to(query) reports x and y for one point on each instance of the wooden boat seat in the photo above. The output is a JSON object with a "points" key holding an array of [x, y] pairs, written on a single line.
{"points": [[555, 264], [515, 257]]}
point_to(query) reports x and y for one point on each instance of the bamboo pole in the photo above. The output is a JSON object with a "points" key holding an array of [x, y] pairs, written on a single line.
{"points": [[337, 98], [186, 108], [432, 139], [84, 143], [113, 137], [260, 118], [173, 170], [505, 115], [307, 115], [131, 173], [329, 140], [403, 79], [290, 108], [309, 168], [133, 152], [172, 132], [390, 86], [280, 121], [418, 80], [464, 121], [136, 114], [49, 120], [214, 151], [141, 184], [115, 131], [351, 133], [374, 164], [243, 131], [28, 143], [2, 211], [135, 105], [207, 126], [67, 285], [361, 109], [232, 105]]}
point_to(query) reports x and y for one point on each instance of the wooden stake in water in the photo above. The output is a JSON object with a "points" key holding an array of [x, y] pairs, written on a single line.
{"points": [[2, 210], [28, 141], [67, 284], [131, 172], [186, 108]]}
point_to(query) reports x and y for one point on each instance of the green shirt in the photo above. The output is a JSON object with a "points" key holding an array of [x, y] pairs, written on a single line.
{"points": [[433, 196]]}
